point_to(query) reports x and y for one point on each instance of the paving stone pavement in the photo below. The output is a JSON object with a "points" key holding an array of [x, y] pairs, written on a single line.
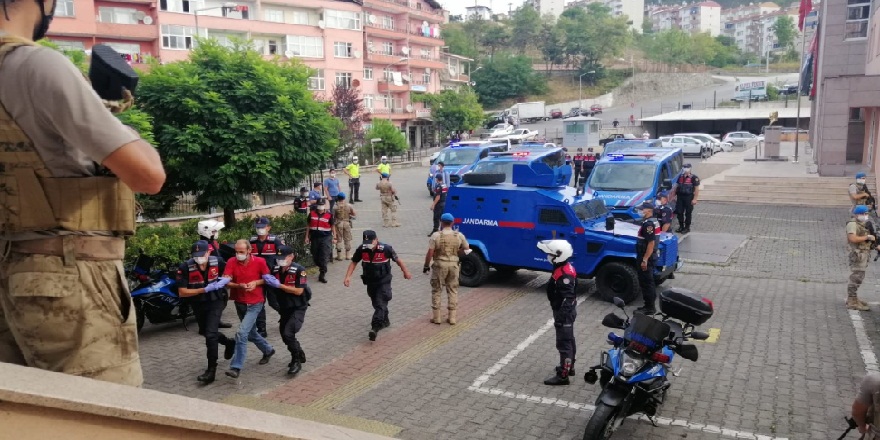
{"points": [[785, 365]]}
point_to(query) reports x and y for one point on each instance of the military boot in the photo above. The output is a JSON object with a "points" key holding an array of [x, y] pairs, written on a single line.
{"points": [[451, 319], [293, 367], [346, 256], [209, 375], [301, 356], [338, 255], [556, 379], [436, 317], [853, 303]]}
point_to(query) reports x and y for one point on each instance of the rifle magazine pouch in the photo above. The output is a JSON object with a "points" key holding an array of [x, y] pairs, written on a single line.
{"points": [[91, 204]]}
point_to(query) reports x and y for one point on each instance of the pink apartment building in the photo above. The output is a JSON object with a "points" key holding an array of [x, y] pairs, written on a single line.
{"points": [[389, 49]]}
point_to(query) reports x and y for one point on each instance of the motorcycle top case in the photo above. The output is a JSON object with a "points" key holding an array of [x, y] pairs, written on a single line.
{"points": [[685, 305]]}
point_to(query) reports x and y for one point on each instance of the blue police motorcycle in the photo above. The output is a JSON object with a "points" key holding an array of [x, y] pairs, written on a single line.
{"points": [[633, 372], [154, 294]]}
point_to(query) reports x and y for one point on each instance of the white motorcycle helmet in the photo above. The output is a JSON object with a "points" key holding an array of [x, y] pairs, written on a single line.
{"points": [[210, 228], [558, 251]]}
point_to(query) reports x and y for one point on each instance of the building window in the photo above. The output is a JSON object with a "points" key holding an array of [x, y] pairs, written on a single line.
{"points": [[857, 14], [125, 48], [273, 15], [316, 81], [67, 46], [176, 6], [388, 22], [302, 17], [64, 8], [343, 79], [177, 37], [388, 48], [426, 54], [386, 73], [426, 77], [368, 73], [342, 50], [306, 47], [342, 19], [855, 114], [574, 128], [117, 15], [368, 101]]}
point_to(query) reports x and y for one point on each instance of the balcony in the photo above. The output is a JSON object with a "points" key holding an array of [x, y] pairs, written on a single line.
{"points": [[390, 87], [423, 113], [446, 76], [135, 32], [433, 63], [387, 32], [393, 113], [383, 58], [402, 7], [416, 35]]}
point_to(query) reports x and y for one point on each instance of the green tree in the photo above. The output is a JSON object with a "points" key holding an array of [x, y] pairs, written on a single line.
{"points": [[392, 140], [592, 34], [525, 28], [474, 30], [230, 123], [550, 44], [495, 36], [459, 42], [455, 110], [507, 77], [785, 32], [347, 106]]}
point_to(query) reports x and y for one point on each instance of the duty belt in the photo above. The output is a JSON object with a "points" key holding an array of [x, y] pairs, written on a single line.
{"points": [[87, 248]]}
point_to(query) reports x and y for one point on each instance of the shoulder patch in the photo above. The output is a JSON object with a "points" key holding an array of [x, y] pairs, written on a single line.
{"points": [[566, 281]]}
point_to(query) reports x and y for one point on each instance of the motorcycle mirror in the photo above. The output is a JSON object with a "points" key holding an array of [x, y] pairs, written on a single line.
{"points": [[613, 321], [688, 351], [618, 302], [700, 336]]}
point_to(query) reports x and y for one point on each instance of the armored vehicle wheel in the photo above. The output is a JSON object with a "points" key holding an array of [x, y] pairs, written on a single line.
{"points": [[617, 279], [474, 270], [483, 178]]}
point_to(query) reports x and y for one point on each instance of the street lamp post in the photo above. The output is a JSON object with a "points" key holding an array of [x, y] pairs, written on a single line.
{"points": [[580, 88], [196, 13], [373, 149]]}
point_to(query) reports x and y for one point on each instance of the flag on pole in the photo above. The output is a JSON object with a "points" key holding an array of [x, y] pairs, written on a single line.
{"points": [[804, 9]]}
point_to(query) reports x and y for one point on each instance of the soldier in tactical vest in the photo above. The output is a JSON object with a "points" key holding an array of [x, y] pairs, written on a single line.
{"points": [[375, 259], [439, 203], [289, 281], [858, 192], [866, 407], [444, 248], [387, 194], [301, 202], [860, 244], [687, 191], [343, 215], [561, 291], [265, 246], [577, 163], [206, 290], [663, 212], [70, 170], [320, 237], [646, 257]]}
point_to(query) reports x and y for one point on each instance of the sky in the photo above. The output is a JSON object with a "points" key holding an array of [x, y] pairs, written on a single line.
{"points": [[456, 7]]}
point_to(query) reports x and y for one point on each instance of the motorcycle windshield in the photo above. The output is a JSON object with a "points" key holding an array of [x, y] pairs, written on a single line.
{"points": [[646, 331]]}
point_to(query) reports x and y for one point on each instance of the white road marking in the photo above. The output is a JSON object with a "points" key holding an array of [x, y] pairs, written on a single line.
{"points": [[478, 387], [865, 347], [787, 220]]}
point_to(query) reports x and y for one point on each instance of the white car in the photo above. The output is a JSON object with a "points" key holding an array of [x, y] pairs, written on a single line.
{"points": [[501, 131], [740, 138], [523, 134], [688, 145], [717, 145]]}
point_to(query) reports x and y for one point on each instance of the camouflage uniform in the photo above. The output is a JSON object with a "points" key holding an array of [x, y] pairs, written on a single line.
{"points": [[858, 263], [444, 271], [389, 208], [342, 212], [64, 301]]}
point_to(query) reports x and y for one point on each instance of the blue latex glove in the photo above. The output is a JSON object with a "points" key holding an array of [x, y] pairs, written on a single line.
{"points": [[222, 282], [271, 281], [211, 287]]}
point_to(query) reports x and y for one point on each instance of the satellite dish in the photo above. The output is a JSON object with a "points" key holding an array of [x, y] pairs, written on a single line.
{"points": [[148, 20], [452, 70], [406, 77], [405, 50], [409, 108], [371, 18], [321, 24], [356, 53], [424, 24], [289, 54], [139, 15], [427, 70]]}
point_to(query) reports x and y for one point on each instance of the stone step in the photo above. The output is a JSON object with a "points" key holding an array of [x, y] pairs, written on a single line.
{"points": [[764, 188], [795, 180], [771, 200]]}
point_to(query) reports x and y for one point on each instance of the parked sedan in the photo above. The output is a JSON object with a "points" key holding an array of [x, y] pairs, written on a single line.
{"points": [[595, 109], [717, 145], [740, 138], [688, 145], [556, 113]]}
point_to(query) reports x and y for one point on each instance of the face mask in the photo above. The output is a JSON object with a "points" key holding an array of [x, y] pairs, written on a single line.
{"points": [[201, 260], [332, 175], [860, 181], [862, 218], [262, 231], [42, 27], [385, 161], [686, 170], [371, 246], [660, 202], [284, 263], [241, 257]]}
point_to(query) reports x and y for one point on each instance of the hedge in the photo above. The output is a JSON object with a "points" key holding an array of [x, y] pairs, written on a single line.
{"points": [[170, 245]]}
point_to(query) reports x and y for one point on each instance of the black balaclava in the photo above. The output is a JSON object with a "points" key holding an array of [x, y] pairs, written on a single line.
{"points": [[42, 27]]}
